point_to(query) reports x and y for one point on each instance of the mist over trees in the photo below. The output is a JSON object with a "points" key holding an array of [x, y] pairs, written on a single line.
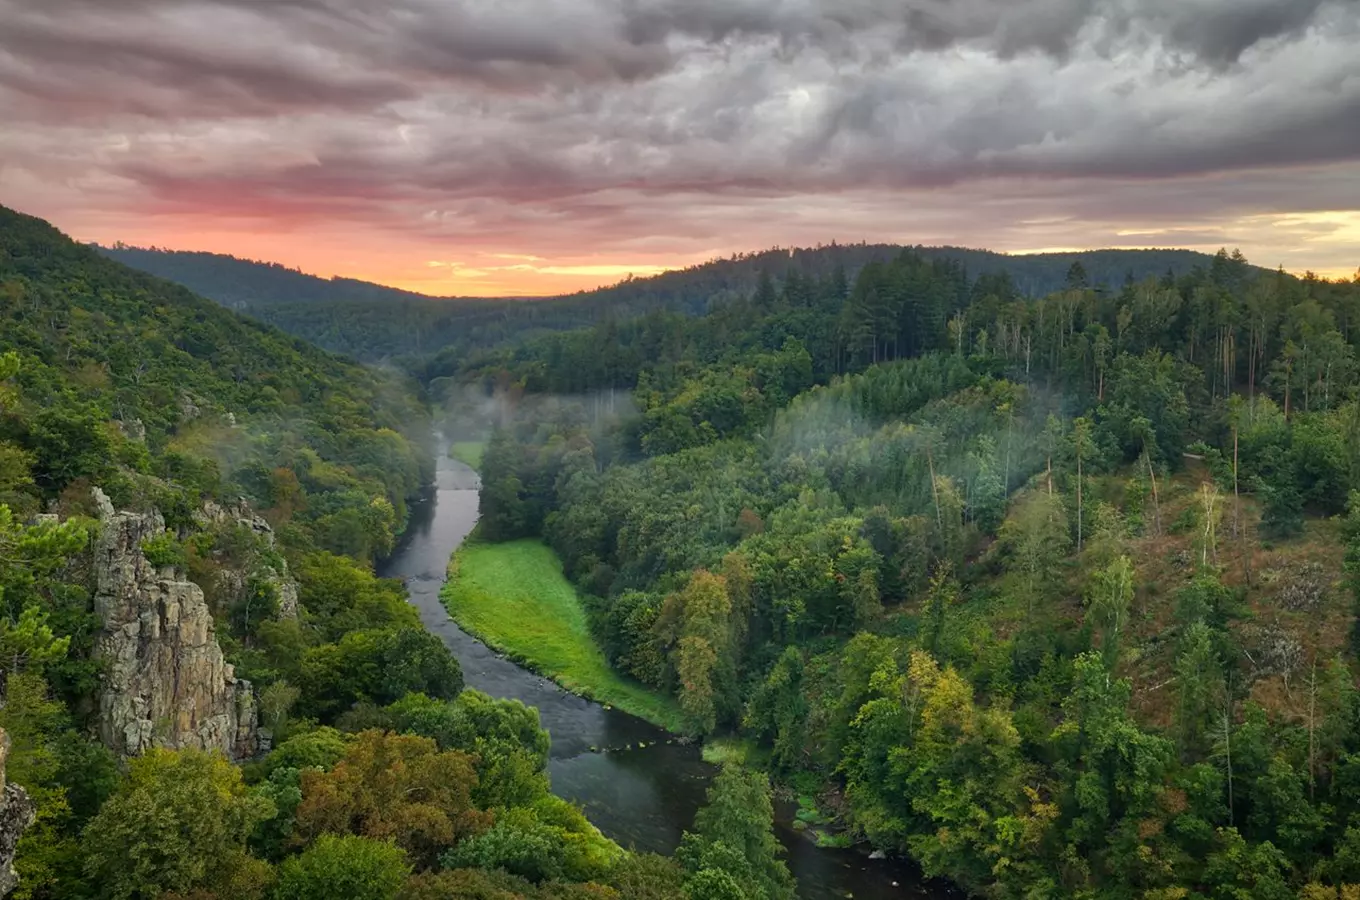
{"points": [[1043, 591]]}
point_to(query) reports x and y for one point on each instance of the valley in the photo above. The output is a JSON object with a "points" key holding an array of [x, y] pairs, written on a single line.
{"points": [[679, 450], [634, 780], [928, 568]]}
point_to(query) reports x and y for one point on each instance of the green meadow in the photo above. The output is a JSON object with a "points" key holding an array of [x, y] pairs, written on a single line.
{"points": [[514, 597], [469, 452]]}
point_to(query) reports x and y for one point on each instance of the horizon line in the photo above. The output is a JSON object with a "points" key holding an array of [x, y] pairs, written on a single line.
{"points": [[735, 256]]}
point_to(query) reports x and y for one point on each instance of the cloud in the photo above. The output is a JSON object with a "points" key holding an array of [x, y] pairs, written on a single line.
{"points": [[209, 58], [522, 127]]}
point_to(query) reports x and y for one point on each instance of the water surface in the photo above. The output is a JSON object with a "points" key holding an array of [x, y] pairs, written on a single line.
{"points": [[635, 782]]}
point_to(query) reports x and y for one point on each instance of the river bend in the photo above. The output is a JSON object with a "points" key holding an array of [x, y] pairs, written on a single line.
{"points": [[635, 782]]}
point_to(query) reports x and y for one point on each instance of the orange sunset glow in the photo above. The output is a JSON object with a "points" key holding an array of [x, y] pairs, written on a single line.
{"points": [[550, 148]]}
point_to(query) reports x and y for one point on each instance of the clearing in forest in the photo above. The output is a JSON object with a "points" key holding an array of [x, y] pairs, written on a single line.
{"points": [[515, 599]]}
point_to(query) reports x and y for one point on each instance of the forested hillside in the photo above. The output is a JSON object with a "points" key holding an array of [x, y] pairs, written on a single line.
{"points": [[163, 398], [1054, 595], [374, 322], [189, 505], [245, 284]]}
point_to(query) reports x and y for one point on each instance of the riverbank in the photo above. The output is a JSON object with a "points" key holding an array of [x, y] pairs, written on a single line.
{"points": [[469, 453], [642, 790], [515, 599]]}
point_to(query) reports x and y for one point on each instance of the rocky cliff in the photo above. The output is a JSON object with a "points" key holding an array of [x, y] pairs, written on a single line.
{"points": [[166, 682], [16, 814], [234, 581]]}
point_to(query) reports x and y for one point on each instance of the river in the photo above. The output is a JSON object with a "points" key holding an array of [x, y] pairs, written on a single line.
{"points": [[635, 783]]}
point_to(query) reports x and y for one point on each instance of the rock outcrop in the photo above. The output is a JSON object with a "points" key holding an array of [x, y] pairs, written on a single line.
{"points": [[166, 682], [234, 581], [16, 814]]}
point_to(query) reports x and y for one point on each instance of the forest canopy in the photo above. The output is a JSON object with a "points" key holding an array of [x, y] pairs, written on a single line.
{"points": [[1053, 593], [274, 474]]}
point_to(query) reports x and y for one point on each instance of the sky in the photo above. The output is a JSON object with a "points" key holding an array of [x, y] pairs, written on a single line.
{"points": [[531, 147]]}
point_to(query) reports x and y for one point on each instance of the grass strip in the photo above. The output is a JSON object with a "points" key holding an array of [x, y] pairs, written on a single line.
{"points": [[515, 599]]}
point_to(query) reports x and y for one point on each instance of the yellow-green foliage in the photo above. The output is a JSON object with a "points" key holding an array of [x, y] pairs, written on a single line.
{"points": [[721, 751]]}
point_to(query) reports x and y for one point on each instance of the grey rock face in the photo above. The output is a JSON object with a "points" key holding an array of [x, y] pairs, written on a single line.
{"points": [[288, 597], [133, 430], [16, 814], [234, 581], [166, 682]]}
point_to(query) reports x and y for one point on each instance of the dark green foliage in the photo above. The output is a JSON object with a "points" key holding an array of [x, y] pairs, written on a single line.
{"points": [[504, 513], [1282, 509], [519, 844], [377, 666], [548, 839], [721, 403], [911, 583], [177, 822], [778, 711], [1242, 871], [646, 876], [106, 354], [374, 322], [1146, 410], [319, 749], [504, 737], [343, 596], [272, 837], [89, 772]]}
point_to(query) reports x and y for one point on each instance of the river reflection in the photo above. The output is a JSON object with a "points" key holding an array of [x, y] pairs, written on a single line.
{"points": [[641, 796]]}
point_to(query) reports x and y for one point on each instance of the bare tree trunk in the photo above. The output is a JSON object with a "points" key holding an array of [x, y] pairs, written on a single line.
{"points": [[1156, 502], [935, 489], [1237, 496], [1210, 499], [1227, 752], [1078, 497], [1251, 365]]}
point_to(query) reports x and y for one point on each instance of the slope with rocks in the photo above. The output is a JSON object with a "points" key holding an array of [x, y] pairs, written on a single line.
{"points": [[166, 681]]}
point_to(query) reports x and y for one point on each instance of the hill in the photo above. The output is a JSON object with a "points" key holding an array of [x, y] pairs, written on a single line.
{"points": [[134, 383], [155, 629], [372, 322], [1057, 596], [247, 284]]}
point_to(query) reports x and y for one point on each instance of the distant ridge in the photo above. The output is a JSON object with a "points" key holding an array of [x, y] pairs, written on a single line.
{"points": [[243, 284], [372, 321]]}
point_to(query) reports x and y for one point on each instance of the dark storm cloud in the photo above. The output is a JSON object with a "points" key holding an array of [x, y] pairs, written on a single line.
{"points": [[241, 57], [1222, 33], [1216, 32], [120, 70], [486, 116], [244, 56]]}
